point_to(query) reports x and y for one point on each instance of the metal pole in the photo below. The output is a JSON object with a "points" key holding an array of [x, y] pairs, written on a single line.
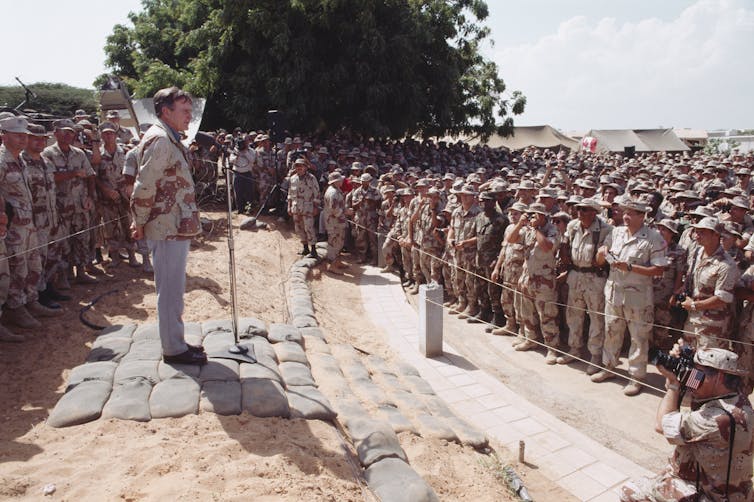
{"points": [[232, 259]]}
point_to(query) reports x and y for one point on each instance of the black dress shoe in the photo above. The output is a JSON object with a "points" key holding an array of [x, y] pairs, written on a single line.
{"points": [[188, 357], [199, 349]]}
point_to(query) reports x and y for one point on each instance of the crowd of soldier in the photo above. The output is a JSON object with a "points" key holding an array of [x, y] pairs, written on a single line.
{"points": [[66, 199], [563, 250]]}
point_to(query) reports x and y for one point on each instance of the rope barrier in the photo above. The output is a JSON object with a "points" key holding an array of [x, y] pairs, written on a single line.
{"points": [[558, 304], [64, 238], [559, 351]]}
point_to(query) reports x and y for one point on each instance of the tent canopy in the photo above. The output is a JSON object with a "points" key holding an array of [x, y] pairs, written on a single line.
{"points": [[542, 136], [644, 140]]}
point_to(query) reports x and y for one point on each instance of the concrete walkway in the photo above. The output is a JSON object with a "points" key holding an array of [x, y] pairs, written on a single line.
{"points": [[582, 466]]}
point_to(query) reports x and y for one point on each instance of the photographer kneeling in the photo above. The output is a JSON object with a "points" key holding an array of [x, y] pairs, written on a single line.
{"points": [[713, 455]]}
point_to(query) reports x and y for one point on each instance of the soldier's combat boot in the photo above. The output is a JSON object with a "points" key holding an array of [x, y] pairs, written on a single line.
{"points": [[450, 301], [526, 345], [632, 389], [498, 319], [132, 261], [471, 310], [572, 355], [602, 376], [458, 307], [7, 335], [20, 317], [47, 301], [38, 310], [56, 295], [414, 289], [146, 263], [551, 357], [594, 366], [475, 315], [83, 278]]}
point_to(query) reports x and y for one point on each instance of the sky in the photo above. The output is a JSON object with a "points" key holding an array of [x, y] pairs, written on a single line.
{"points": [[582, 64]]}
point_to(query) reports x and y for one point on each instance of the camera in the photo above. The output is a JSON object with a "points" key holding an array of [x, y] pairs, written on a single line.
{"points": [[682, 367], [680, 298], [297, 154]]}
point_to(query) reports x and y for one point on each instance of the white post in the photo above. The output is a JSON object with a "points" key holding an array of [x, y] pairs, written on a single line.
{"points": [[380, 255], [430, 319]]}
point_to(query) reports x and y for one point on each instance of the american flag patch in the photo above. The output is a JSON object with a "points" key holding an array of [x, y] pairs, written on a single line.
{"points": [[694, 379]]}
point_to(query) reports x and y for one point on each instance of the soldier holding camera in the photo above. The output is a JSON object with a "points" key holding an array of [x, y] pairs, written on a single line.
{"points": [[713, 455], [710, 282]]}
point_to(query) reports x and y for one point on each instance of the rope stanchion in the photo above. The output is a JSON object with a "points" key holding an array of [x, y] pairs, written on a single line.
{"points": [[558, 304]]}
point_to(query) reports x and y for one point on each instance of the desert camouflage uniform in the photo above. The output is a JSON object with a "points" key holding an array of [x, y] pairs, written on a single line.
{"points": [[715, 275], [537, 285], [334, 212], [263, 173], [431, 244], [303, 201], [41, 176], [123, 135], [628, 296], [464, 227], [663, 337], [365, 203], [745, 332], [388, 216], [511, 269], [115, 214], [415, 230], [24, 260], [401, 233], [586, 289], [489, 235], [70, 197], [163, 199], [702, 439]]}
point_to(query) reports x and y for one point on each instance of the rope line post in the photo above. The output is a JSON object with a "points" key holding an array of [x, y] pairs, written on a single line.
{"points": [[430, 319]]}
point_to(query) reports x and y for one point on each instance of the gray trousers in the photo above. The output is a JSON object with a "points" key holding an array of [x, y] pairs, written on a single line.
{"points": [[169, 262]]}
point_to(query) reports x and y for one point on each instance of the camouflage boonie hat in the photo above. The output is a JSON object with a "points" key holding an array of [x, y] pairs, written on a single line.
{"points": [[537, 207], [38, 130], [334, 177], [14, 125], [720, 359], [106, 126], [634, 205], [519, 206], [65, 124], [671, 225], [709, 223], [487, 195], [590, 203], [365, 178], [732, 228], [467, 190]]}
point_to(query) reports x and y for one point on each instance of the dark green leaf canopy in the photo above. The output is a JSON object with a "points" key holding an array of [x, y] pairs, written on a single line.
{"points": [[380, 67]]}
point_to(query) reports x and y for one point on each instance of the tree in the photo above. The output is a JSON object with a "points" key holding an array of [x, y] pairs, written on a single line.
{"points": [[380, 67], [53, 98]]}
